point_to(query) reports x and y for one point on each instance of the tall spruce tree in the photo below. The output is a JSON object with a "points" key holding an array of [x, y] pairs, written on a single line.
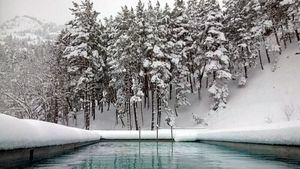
{"points": [[179, 56], [83, 54], [216, 54]]}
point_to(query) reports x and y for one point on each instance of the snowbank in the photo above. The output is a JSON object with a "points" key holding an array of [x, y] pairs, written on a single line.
{"points": [[286, 133], [133, 134], [21, 133], [147, 134]]}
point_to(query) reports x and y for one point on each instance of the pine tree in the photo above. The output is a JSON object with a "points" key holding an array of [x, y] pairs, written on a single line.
{"points": [[60, 101], [244, 35], [197, 62], [179, 55], [83, 54], [216, 54]]}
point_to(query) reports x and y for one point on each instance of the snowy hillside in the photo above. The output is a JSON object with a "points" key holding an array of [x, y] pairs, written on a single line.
{"points": [[269, 97], [28, 28]]}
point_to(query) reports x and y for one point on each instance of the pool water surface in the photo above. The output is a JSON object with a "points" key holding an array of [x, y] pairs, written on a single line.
{"points": [[163, 155]]}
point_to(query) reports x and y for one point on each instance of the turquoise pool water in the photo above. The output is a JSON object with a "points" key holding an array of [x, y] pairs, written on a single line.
{"points": [[164, 155]]}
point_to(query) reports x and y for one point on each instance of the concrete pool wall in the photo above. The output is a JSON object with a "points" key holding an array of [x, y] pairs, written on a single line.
{"points": [[25, 156]]}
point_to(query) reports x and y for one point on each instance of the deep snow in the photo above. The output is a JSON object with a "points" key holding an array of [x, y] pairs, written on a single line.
{"points": [[22, 133], [284, 133], [270, 96]]}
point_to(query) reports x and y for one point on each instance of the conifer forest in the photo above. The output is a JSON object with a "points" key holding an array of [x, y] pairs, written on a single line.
{"points": [[147, 59]]}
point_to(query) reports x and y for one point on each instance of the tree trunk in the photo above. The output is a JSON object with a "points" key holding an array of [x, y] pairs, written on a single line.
{"points": [[200, 81], [142, 114], [146, 90], [66, 114], [191, 83], [267, 52], [246, 71], [93, 102], [117, 119], [98, 102], [206, 82], [152, 109], [86, 108], [108, 106], [87, 115], [260, 61], [284, 42], [297, 35], [129, 113], [214, 75], [135, 117], [277, 39], [170, 92], [283, 37], [55, 119], [101, 106], [128, 118], [158, 109]]}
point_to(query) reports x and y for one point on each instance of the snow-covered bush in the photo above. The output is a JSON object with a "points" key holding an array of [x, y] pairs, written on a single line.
{"points": [[242, 81], [289, 110]]}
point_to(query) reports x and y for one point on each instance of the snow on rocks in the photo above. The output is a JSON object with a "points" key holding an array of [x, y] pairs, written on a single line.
{"points": [[22, 133]]}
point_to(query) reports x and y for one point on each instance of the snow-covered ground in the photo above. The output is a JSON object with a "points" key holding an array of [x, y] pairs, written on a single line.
{"points": [[147, 134], [17, 133], [284, 133], [270, 96]]}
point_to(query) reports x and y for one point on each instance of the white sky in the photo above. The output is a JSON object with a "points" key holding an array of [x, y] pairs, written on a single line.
{"points": [[58, 10]]}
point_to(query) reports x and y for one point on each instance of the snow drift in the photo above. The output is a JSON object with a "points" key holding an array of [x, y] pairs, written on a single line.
{"points": [[16, 133], [285, 133]]}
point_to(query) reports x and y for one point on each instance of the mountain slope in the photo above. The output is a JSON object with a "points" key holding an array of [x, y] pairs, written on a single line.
{"points": [[28, 28]]}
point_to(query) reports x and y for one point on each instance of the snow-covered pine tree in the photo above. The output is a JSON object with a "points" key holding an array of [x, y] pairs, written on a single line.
{"points": [[60, 100], [197, 61], [216, 54], [150, 25], [136, 34], [160, 63], [83, 54], [179, 57], [294, 16], [109, 33], [126, 64], [243, 34], [278, 15], [141, 89]]}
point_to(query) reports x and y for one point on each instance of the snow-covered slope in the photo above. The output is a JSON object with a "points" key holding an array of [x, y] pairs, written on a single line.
{"points": [[17, 133], [269, 97], [28, 28]]}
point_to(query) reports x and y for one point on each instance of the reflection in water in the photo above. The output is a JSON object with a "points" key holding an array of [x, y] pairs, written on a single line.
{"points": [[164, 155]]}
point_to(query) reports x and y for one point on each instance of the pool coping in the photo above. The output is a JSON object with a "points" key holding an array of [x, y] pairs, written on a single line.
{"points": [[25, 156]]}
